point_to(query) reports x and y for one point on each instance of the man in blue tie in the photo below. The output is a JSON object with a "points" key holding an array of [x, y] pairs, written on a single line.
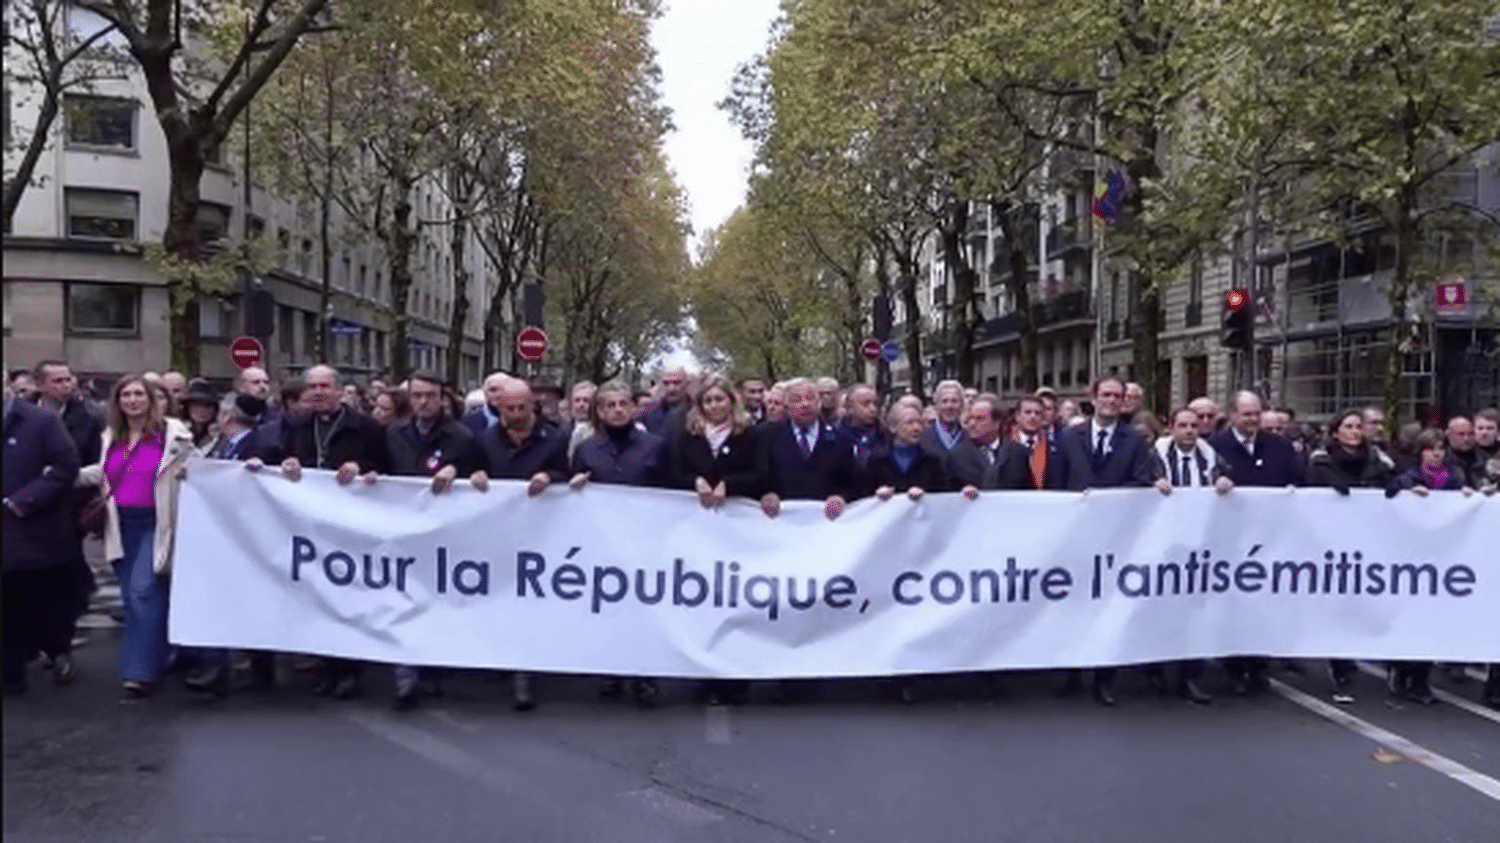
{"points": [[803, 458]]}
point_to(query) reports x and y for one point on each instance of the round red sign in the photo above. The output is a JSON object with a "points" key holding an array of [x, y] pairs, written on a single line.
{"points": [[870, 349], [531, 343], [246, 352]]}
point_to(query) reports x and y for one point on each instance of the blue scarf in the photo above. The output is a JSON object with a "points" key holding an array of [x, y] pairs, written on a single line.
{"points": [[905, 456]]}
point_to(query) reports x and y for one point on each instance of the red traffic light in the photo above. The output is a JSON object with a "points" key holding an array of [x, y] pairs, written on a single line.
{"points": [[1237, 298]]}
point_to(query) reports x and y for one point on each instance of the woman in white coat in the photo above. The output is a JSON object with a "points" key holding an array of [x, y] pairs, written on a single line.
{"points": [[144, 452]]}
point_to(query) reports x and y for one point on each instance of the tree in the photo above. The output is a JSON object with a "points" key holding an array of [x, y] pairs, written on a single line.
{"points": [[54, 60], [197, 102]]}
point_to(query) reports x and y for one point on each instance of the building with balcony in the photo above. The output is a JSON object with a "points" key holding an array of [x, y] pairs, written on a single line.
{"points": [[78, 287]]}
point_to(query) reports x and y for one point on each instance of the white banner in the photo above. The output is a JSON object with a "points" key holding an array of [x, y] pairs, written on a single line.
{"points": [[612, 580]]}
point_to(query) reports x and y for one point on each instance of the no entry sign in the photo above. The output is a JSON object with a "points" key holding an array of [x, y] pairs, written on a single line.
{"points": [[531, 343], [246, 352], [870, 349]]}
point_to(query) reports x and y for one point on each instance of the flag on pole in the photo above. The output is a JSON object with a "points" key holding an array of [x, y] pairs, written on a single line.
{"points": [[1109, 196]]}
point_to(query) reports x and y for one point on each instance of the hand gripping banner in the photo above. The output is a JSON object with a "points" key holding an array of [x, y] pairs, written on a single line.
{"points": [[614, 580]]}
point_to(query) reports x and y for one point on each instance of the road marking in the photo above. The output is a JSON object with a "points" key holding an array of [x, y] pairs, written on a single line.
{"points": [[673, 807], [716, 730], [1446, 696], [1477, 674], [447, 717], [1392, 741]]}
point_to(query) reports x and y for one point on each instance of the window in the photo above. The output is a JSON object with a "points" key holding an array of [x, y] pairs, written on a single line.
{"points": [[309, 334], [1193, 314], [347, 279], [304, 260], [286, 326], [103, 308], [363, 289], [215, 318], [100, 122], [257, 227], [101, 214], [212, 222]]}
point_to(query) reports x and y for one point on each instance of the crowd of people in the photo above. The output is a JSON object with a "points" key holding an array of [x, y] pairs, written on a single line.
{"points": [[77, 468]]}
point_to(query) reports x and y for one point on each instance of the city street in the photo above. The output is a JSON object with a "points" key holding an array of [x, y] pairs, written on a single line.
{"points": [[846, 761]]}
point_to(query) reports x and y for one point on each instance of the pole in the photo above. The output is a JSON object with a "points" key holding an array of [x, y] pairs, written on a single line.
{"points": [[245, 201], [1252, 288], [325, 290]]}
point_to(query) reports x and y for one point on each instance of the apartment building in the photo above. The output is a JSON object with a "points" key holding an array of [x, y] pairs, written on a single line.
{"points": [[77, 284]]}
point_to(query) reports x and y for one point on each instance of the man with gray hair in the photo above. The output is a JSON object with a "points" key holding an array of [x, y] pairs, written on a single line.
{"points": [[947, 429], [829, 399]]}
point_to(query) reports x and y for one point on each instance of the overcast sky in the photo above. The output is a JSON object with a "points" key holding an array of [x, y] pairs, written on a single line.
{"points": [[699, 43]]}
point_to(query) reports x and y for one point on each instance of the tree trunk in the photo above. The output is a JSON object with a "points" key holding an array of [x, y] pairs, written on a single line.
{"points": [[854, 324], [462, 189], [185, 159], [963, 320], [1408, 240], [1145, 336], [906, 279], [1013, 223], [401, 239], [15, 188]]}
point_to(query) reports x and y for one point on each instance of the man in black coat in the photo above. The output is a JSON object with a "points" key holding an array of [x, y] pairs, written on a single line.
{"points": [[428, 444], [338, 438], [804, 459], [57, 390], [1254, 458], [1044, 464], [41, 536], [519, 447], [1106, 453], [985, 459]]}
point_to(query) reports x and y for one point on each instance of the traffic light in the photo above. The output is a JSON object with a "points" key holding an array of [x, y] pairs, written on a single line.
{"points": [[1237, 320]]}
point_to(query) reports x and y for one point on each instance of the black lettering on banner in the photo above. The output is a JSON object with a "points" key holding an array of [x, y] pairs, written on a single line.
{"points": [[839, 592], [1411, 574], [568, 581], [478, 584], [529, 569], [768, 600], [1458, 581], [899, 593], [601, 594], [682, 577]]}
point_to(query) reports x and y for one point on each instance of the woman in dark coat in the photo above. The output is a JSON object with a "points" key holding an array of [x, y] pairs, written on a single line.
{"points": [[714, 456], [901, 465], [1349, 461], [1433, 472], [623, 453]]}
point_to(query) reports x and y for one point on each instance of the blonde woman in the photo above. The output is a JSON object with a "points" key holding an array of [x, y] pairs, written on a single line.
{"points": [[143, 451]]}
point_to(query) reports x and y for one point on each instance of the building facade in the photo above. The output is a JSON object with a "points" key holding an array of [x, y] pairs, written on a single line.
{"points": [[79, 285]]}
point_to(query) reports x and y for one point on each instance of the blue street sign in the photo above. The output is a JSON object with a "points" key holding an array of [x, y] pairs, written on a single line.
{"points": [[341, 328], [891, 351]]}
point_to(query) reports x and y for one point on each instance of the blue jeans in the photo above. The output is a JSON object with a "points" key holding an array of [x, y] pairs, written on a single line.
{"points": [[145, 648]]}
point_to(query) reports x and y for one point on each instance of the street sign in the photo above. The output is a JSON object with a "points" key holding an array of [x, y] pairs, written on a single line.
{"points": [[870, 349], [531, 343], [343, 328], [1453, 295], [246, 352], [891, 351]]}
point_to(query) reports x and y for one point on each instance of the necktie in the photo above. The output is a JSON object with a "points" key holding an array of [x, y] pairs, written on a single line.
{"points": [[1038, 462], [989, 454], [1187, 471], [805, 438], [1099, 448]]}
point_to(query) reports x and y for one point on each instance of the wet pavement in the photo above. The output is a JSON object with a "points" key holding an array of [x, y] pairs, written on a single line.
{"points": [[843, 761]]}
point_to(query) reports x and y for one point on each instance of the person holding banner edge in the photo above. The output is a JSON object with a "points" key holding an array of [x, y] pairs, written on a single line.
{"points": [[620, 453], [427, 444], [333, 436], [1106, 454], [519, 447], [714, 457]]}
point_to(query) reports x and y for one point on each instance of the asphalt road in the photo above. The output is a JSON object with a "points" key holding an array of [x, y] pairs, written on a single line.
{"points": [[847, 762]]}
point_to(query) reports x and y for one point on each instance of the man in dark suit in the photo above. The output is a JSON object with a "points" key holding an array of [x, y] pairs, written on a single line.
{"points": [[947, 429], [1254, 458], [1043, 459], [41, 535], [804, 459], [666, 416], [57, 390], [487, 415], [860, 428], [1106, 453], [986, 459]]}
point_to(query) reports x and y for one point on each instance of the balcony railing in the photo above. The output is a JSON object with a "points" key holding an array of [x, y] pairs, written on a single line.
{"points": [[1070, 235]]}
